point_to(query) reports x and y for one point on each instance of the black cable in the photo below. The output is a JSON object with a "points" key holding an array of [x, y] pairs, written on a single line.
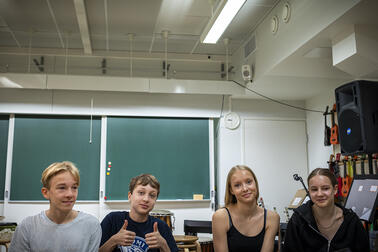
{"points": [[299, 178], [273, 100]]}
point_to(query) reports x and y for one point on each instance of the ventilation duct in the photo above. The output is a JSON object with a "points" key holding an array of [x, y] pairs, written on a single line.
{"points": [[355, 51]]}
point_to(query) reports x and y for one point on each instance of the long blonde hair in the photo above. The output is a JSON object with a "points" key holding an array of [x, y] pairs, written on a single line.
{"points": [[229, 198]]}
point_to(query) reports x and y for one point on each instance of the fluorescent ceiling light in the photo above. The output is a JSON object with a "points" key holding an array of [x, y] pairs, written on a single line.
{"points": [[222, 17]]}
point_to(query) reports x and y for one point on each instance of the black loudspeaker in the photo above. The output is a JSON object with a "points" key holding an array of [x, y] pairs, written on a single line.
{"points": [[357, 114]]}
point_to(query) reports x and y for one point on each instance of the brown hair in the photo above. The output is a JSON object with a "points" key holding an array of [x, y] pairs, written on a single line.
{"points": [[57, 168], [229, 198], [144, 179], [324, 172]]}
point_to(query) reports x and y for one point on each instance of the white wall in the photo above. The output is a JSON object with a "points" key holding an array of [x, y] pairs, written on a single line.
{"points": [[231, 149], [276, 149], [108, 103], [318, 153]]}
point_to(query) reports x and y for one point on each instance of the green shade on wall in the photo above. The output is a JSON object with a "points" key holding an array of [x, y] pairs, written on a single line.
{"points": [[42, 140], [175, 150]]}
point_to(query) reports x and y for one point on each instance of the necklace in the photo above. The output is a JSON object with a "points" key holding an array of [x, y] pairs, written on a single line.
{"points": [[330, 225], [326, 227]]}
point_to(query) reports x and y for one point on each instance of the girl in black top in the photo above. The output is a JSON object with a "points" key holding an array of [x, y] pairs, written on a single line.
{"points": [[320, 224], [242, 225]]}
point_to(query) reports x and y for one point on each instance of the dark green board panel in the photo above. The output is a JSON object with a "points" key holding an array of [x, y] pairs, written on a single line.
{"points": [[4, 125], [42, 140], [175, 150]]}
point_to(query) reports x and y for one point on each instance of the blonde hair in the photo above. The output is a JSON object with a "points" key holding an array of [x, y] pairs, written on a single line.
{"points": [[57, 168], [144, 179], [229, 198]]}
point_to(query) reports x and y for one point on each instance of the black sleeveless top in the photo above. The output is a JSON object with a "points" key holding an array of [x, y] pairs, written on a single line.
{"points": [[238, 242]]}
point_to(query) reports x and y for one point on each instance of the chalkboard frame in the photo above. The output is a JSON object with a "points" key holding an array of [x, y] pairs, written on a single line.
{"points": [[4, 128]]}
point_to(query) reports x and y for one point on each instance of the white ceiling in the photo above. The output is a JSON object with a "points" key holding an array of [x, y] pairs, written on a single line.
{"points": [[93, 38]]}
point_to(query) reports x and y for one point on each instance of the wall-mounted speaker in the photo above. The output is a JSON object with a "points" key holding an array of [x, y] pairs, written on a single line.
{"points": [[357, 114], [246, 72]]}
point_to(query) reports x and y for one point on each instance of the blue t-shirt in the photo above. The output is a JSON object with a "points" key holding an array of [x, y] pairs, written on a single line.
{"points": [[113, 222]]}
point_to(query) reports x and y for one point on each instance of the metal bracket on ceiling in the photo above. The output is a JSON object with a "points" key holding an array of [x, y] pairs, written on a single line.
{"points": [[223, 71], [103, 66], [41, 64], [166, 69]]}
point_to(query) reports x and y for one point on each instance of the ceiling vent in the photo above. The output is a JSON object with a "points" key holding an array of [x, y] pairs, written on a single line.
{"points": [[250, 46]]}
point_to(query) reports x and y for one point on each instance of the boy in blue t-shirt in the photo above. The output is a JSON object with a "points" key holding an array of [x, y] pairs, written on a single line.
{"points": [[137, 230]]}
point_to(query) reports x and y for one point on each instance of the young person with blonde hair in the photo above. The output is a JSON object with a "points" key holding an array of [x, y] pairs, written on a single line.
{"points": [[60, 228], [321, 224], [242, 225], [136, 230]]}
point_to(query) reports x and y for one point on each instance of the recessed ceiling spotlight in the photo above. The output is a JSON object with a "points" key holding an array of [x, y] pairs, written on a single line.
{"points": [[286, 12], [274, 24]]}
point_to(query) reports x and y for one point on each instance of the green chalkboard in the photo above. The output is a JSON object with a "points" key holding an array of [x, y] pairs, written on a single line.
{"points": [[4, 125], [42, 140], [174, 150]]}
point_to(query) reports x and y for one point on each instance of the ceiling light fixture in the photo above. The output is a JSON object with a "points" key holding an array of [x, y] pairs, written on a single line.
{"points": [[226, 11]]}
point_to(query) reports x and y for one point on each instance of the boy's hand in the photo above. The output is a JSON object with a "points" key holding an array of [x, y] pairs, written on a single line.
{"points": [[155, 240], [124, 237]]}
